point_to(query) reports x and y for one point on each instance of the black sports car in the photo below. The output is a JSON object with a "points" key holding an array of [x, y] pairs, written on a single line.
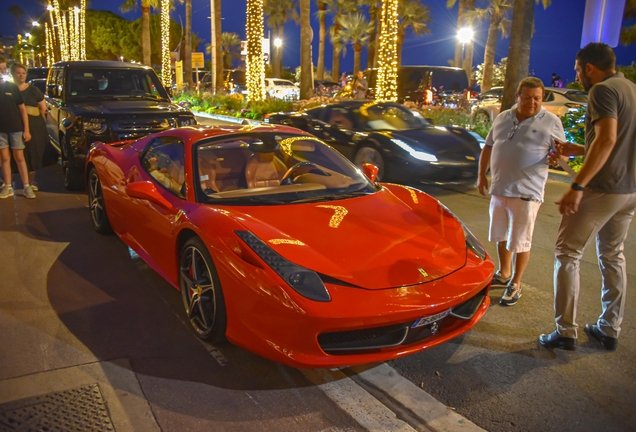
{"points": [[400, 142]]}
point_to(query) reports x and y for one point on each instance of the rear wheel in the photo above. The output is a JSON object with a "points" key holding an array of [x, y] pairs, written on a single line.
{"points": [[201, 291], [72, 175], [97, 205], [481, 117], [372, 156]]}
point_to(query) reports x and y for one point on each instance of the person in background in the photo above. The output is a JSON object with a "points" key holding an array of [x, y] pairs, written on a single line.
{"points": [[36, 110], [14, 132], [360, 86], [343, 80], [600, 202], [516, 151], [556, 81]]}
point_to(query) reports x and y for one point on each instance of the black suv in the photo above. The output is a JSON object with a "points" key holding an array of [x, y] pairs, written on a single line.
{"points": [[104, 101]]}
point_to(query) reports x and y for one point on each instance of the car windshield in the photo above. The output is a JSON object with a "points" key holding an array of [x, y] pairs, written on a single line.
{"points": [[115, 83], [271, 168], [576, 96], [387, 116]]}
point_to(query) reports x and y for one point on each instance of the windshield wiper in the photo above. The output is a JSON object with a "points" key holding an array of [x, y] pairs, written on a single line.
{"points": [[332, 197]]}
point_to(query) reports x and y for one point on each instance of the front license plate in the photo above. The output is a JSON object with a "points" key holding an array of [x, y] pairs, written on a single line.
{"points": [[430, 319]]}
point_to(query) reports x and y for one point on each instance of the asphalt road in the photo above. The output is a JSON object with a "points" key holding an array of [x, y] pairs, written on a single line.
{"points": [[498, 375]]}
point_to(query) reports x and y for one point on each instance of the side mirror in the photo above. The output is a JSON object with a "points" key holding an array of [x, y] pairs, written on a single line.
{"points": [[370, 170], [145, 190]]}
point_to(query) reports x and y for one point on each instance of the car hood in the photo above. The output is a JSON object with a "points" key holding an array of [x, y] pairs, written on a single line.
{"points": [[374, 242], [124, 107], [440, 141]]}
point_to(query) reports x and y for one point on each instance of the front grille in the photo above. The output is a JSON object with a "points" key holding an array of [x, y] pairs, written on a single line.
{"points": [[373, 339], [144, 125]]}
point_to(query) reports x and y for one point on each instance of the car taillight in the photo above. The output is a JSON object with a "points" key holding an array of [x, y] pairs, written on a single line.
{"points": [[573, 105]]}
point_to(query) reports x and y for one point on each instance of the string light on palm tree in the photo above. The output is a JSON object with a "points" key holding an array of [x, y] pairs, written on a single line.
{"points": [[255, 66], [166, 75], [386, 87]]}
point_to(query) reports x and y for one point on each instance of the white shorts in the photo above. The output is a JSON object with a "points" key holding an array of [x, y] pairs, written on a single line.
{"points": [[512, 220]]}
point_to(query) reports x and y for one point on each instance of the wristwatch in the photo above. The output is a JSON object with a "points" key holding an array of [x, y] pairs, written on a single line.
{"points": [[577, 187]]}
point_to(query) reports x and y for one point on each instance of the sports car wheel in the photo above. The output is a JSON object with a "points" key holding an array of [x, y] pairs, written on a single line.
{"points": [[97, 205], [72, 175], [481, 117], [201, 291], [372, 156]]}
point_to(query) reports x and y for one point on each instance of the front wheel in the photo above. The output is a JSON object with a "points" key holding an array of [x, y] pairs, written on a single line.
{"points": [[72, 174], [201, 291], [97, 204], [372, 156]]}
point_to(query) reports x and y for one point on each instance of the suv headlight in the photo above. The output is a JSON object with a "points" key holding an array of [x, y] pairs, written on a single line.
{"points": [[96, 126], [187, 121], [305, 282]]}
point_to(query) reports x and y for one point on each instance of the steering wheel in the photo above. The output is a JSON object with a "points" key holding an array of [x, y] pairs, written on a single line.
{"points": [[299, 169]]}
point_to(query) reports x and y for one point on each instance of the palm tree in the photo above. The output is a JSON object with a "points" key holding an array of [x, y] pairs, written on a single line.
{"points": [[498, 11], [322, 36], [187, 49], [229, 44], [375, 8], [461, 13], [628, 33], [17, 12], [145, 24], [338, 8], [279, 12], [306, 69], [519, 49], [356, 30], [412, 14]]}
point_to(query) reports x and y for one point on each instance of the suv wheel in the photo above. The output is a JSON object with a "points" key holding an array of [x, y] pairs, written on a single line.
{"points": [[72, 175]]}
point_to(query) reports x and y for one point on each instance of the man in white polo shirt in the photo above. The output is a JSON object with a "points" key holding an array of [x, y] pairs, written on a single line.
{"points": [[516, 151]]}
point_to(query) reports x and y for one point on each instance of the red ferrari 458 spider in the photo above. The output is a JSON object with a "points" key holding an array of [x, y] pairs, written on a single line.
{"points": [[284, 247]]}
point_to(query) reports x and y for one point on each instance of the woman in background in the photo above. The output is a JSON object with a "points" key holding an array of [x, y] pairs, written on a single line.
{"points": [[36, 109]]}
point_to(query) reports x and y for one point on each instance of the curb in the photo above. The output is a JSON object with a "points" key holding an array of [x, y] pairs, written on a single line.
{"points": [[558, 175]]}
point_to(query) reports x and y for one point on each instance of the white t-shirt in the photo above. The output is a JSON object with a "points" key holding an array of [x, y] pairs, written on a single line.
{"points": [[518, 160]]}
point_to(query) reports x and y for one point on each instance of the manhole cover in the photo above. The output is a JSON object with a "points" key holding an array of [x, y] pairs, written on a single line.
{"points": [[78, 409]]}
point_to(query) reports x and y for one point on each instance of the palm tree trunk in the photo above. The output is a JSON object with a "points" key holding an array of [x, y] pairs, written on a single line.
{"points": [[377, 38], [277, 54], [470, 46], [145, 34], [281, 35], [335, 65], [400, 44], [357, 49], [373, 12], [305, 50], [219, 48], [459, 47], [187, 49], [489, 53], [519, 51], [322, 36]]}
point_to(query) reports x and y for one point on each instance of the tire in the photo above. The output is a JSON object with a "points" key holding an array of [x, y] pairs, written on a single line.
{"points": [[201, 291], [73, 180], [482, 117], [370, 155], [96, 204]]}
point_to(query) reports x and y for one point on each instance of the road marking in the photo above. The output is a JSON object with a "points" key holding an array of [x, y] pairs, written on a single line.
{"points": [[215, 352], [355, 401]]}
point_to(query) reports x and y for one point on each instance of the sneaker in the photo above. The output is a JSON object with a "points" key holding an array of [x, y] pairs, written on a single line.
{"points": [[28, 192], [6, 192], [499, 281], [34, 186], [511, 295]]}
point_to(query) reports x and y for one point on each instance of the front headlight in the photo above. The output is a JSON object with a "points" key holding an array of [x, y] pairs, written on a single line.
{"points": [[96, 126], [419, 155], [187, 121], [304, 281], [473, 244]]}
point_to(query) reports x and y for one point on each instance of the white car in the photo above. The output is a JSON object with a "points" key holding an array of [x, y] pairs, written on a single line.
{"points": [[277, 88], [556, 100]]}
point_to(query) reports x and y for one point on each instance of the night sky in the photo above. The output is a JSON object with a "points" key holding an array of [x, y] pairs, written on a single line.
{"points": [[554, 45]]}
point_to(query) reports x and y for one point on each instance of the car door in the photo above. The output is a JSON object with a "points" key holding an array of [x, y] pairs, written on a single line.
{"points": [[54, 89], [151, 225]]}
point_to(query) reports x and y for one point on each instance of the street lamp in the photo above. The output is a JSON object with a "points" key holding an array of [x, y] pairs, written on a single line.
{"points": [[465, 35], [278, 42], [35, 23]]}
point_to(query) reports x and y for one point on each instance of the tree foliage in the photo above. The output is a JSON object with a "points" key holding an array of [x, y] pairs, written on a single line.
{"points": [[498, 72]]}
